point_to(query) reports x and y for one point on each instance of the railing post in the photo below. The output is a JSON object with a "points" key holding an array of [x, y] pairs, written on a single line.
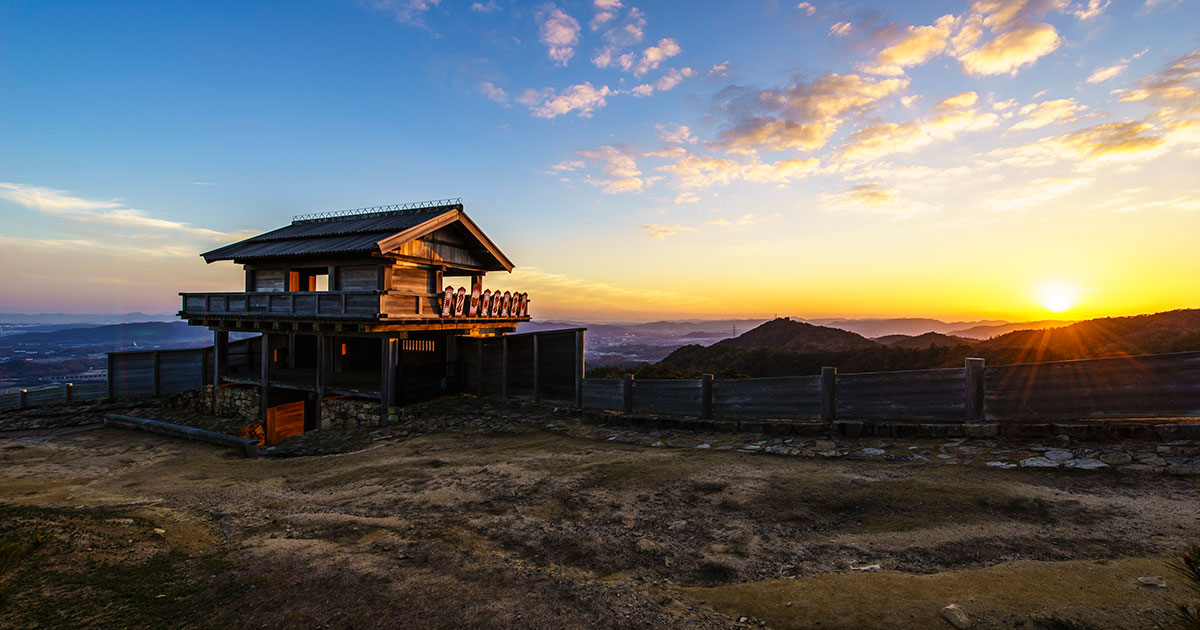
{"points": [[23, 399], [706, 386], [974, 393], [579, 369], [157, 379], [537, 375], [68, 392], [627, 393], [828, 394]]}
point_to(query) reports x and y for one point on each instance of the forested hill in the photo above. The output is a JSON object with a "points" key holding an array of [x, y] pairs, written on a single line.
{"points": [[773, 353]]}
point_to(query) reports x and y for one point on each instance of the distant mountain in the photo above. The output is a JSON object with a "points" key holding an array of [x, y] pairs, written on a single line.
{"points": [[116, 337], [795, 336], [95, 319], [924, 341], [879, 327], [770, 350], [989, 331]]}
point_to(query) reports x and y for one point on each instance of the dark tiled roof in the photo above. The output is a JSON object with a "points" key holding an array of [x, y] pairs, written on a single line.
{"points": [[354, 234]]}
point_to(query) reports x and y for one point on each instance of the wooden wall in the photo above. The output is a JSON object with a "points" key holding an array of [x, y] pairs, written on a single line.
{"points": [[793, 397], [903, 395]]}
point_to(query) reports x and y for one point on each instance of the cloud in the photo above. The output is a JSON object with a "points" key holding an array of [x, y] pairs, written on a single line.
{"points": [[1038, 115], [679, 134], [411, 12], [585, 98], [620, 168], [570, 165], [958, 101], [1175, 89], [912, 45], [776, 134], [653, 56], [1101, 75], [693, 170], [1012, 50], [1093, 8], [872, 197], [559, 32], [489, 89], [672, 78], [606, 11], [662, 230], [485, 7], [840, 29], [687, 197], [577, 290], [113, 212], [719, 70], [746, 219], [807, 7], [642, 90], [1037, 192], [1110, 141], [205, 184]]}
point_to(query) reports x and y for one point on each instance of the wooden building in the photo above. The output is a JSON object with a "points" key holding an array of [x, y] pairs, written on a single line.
{"points": [[357, 303]]}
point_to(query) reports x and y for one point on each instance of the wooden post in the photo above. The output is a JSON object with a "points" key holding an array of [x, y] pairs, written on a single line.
{"points": [[157, 377], [627, 393], [112, 384], [322, 360], [264, 377], [579, 369], [387, 385], [291, 347], [537, 371], [68, 393], [974, 384], [23, 399], [828, 394], [220, 362], [706, 386], [504, 367]]}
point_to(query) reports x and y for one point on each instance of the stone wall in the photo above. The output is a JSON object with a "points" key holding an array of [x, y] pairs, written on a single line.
{"points": [[233, 401], [350, 413]]}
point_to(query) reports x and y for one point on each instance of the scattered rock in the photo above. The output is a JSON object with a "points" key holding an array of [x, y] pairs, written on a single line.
{"points": [[1153, 580], [956, 617], [705, 445], [1038, 462], [874, 451], [160, 532], [869, 567], [1001, 465], [1116, 459], [1085, 463], [824, 445], [1059, 455]]}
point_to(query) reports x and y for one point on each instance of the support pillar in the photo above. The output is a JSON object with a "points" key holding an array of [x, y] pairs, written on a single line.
{"points": [[220, 363], [264, 378], [322, 366], [504, 367], [387, 386]]}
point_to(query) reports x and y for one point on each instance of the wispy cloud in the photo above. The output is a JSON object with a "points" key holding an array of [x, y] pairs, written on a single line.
{"points": [[559, 32], [411, 12], [583, 98], [660, 231]]}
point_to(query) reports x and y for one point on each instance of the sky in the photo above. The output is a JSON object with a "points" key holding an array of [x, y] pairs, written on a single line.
{"points": [[987, 159]]}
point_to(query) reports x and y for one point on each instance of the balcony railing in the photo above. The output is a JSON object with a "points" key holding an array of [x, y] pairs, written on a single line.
{"points": [[369, 305]]}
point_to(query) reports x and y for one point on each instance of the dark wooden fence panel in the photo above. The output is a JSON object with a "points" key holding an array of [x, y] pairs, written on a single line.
{"points": [[603, 393], [131, 374], [493, 357], [796, 397], [1162, 385], [938, 395], [556, 365], [53, 394], [468, 349], [520, 366], [681, 397], [181, 370]]}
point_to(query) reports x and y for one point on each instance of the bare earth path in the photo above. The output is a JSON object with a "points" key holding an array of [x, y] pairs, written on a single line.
{"points": [[526, 528]]}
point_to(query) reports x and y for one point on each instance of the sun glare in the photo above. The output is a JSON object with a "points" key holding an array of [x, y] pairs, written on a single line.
{"points": [[1058, 298]]}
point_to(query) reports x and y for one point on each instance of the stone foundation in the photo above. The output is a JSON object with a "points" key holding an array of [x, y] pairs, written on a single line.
{"points": [[233, 401], [351, 413]]}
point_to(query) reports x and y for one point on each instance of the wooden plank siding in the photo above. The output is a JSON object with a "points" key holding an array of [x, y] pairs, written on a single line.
{"points": [[602, 393], [795, 397], [681, 397], [935, 395], [1148, 386]]}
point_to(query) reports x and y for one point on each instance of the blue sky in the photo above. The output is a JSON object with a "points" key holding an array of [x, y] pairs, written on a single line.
{"points": [[635, 160]]}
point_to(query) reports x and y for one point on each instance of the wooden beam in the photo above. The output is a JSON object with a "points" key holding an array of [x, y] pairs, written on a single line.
{"points": [[974, 393]]}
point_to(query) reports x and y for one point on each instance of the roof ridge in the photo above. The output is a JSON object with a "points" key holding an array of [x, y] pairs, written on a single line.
{"points": [[398, 209]]}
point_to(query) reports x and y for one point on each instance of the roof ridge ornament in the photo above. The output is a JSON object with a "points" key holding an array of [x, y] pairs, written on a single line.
{"points": [[378, 211]]}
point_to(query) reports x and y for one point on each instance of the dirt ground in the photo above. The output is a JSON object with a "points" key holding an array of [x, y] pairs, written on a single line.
{"points": [[530, 528]]}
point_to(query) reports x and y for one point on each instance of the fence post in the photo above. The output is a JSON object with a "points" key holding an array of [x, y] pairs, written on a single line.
{"points": [[112, 385], [974, 384], [828, 394], [23, 399], [579, 369], [67, 392], [706, 385], [627, 393], [157, 378]]}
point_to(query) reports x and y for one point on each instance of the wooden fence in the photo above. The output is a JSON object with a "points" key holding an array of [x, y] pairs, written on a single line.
{"points": [[53, 394], [1147, 386], [538, 366]]}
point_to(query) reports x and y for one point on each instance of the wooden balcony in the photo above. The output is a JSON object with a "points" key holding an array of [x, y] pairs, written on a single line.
{"points": [[369, 311]]}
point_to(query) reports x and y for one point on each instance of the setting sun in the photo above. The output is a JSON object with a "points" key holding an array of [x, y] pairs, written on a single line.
{"points": [[1058, 298]]}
